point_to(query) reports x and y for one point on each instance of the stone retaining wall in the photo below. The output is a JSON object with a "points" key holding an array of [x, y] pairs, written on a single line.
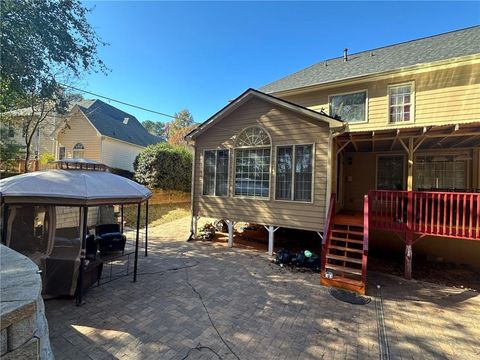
{"points": [[23, 325]]}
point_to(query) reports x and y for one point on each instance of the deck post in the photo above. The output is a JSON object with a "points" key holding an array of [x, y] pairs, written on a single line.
{"points": [[194, 226], [271, 230], [230, 225], [410, 164], [408, 255]]}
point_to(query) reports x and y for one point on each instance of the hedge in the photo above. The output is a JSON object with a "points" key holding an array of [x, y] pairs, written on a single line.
{"points": [[164, 166]]}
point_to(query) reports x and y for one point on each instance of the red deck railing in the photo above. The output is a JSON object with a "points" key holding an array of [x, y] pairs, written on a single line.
{"points": [[448, 214]]}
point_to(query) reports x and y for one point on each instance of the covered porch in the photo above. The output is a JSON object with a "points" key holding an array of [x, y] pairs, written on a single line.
{"points": [[412, 183]]}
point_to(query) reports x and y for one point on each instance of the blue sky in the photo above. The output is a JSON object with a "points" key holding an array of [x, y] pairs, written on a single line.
{"points": [[197, 55]]}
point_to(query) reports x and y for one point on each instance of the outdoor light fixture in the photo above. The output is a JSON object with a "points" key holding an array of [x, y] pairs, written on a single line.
{"points": [[329, 275]]}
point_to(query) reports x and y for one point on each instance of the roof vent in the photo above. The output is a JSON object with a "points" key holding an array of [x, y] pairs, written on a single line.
{"points": [[125, 120], [371, 53], [345, 54]]}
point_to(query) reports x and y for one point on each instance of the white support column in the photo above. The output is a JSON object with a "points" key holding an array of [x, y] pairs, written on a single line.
{"points": [[271, 230], [230, 225], [194, 225]]}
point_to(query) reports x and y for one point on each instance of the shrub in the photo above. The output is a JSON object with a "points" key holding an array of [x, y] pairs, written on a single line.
{"points": [[46, 158], [163, 166]]}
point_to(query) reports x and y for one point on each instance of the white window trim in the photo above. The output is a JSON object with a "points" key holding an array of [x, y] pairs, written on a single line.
{"points": [[391, 154], [412, 103], [348, 93], [215, 177], [293, 174]]}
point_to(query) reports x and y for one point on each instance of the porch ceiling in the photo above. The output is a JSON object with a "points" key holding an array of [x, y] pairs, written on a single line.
{"points": [[425, 137]]}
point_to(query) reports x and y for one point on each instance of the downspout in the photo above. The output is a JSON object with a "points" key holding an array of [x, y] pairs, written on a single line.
{"points": [[192, 194]]}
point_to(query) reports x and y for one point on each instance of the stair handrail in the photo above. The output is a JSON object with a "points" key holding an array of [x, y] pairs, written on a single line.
{"points": [[326, 230], [330, 215]]}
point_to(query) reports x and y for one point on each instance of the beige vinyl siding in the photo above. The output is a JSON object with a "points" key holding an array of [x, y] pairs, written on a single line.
{"points": [[442, 96], [285, 128], [119, 154], [80, 131]]}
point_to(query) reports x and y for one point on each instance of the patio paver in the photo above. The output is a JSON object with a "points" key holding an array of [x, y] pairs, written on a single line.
{"points": [[261, 310]]}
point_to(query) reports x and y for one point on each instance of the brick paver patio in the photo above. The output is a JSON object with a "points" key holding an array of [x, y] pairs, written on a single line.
{"points": [[261, 311]]}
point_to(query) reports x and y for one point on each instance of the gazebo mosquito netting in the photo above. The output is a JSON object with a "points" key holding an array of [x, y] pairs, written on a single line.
{"points": [[34, 205]]}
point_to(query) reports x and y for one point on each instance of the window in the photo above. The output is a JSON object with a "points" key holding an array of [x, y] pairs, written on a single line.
{"points": [[78, 151], [215, 172], [446, 172], [294, 182], [349, 107], [390, 172], [11, 131], [61, 153], [252, 163], [400, 105]]}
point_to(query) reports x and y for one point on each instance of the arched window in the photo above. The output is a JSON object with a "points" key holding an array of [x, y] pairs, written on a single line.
{"points": [[252, 163], [253, 136], [78, 151]]}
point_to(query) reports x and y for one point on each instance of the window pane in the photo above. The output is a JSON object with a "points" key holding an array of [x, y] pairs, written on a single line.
{"points": [[209, 173], [349, 107], [284, 173], [252, 172], [303, 173], [442, 172], [221, 185], [400, 102]]}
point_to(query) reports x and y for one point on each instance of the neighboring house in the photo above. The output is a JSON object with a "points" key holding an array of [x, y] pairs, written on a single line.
{"points": [[42, 141], [402, 157], [94, 130], [101, 132]]}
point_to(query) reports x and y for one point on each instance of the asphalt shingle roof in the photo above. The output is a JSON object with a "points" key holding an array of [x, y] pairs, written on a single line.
{"points": [[435, 48], [109, 121]]}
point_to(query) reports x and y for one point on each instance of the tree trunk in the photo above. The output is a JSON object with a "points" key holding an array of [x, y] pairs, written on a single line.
{"points": [[27, 156]]}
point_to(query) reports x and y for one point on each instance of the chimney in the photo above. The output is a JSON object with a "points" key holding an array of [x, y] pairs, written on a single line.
{"points": [[125, 120], [345, 54]]}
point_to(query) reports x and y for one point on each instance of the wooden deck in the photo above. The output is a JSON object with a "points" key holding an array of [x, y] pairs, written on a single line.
{"points": [[345, 217]]}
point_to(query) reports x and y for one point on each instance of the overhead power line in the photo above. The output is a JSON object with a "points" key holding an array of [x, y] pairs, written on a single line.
{"points": [[119, 101]]}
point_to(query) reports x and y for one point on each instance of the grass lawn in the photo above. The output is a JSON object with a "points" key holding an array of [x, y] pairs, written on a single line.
{"points": [[157, 213]]}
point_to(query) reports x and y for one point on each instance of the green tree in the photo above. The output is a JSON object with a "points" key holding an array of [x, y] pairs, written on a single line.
{"points": [[155, 128], [9, 151], [44, 44], [182, 120]]}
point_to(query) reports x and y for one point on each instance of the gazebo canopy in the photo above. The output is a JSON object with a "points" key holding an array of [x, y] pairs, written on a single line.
{"points": [[72, 187]]}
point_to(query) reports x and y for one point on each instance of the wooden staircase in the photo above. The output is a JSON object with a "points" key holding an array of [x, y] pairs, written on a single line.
{"points": [[345, 251]]}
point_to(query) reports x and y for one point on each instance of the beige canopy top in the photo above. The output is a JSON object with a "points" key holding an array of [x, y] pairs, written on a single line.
{"points": [[72, 187]]}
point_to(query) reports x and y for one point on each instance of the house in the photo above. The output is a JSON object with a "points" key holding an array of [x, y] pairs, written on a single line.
{"points": [[377, 150], [101, 132], [94, 130]]}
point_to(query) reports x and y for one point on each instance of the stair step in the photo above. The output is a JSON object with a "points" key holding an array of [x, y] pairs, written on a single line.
{"points": [[348, 280], [354, 241], [343, 248], [346, 231], [344, 258], [344, 269]]}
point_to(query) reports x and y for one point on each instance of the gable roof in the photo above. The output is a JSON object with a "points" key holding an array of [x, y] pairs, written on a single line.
{"points": [[251, 93], [445, 46], [109, 121]]}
